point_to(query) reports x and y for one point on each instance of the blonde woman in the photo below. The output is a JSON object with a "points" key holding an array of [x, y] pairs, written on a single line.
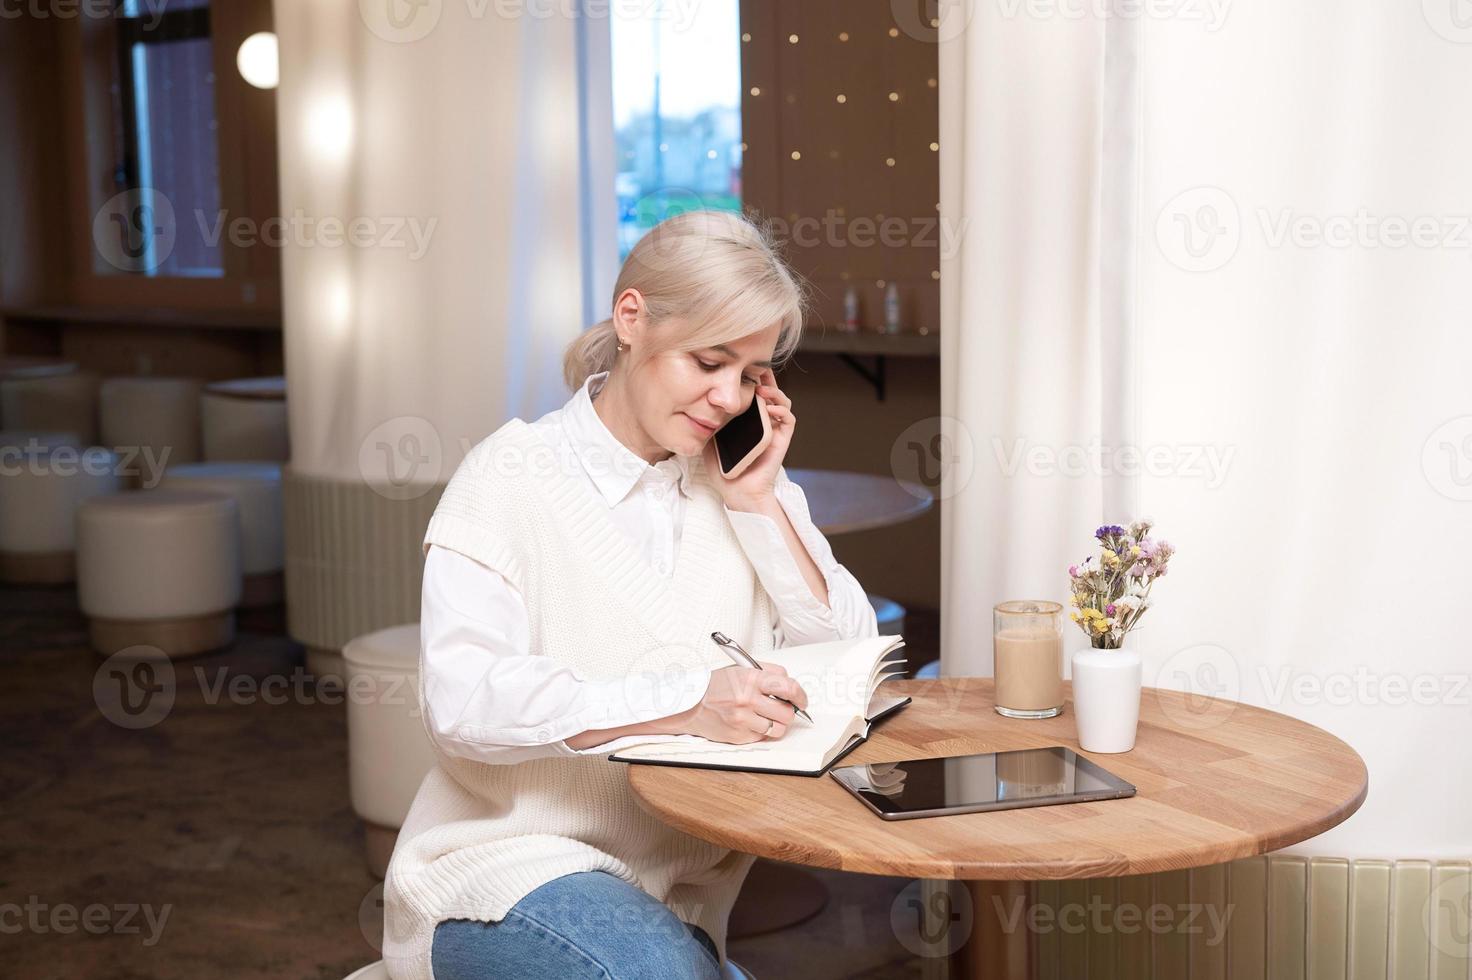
{"points": [[575, 568]]}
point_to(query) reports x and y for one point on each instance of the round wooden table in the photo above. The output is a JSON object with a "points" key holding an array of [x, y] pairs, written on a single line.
{"points": [[841, 502], [1216, 781]]}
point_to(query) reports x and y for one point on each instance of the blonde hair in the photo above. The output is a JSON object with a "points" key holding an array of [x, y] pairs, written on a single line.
{"points": [[717, 271]]}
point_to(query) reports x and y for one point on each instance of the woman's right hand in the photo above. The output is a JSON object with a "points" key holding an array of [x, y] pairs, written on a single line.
{"points": [[736, 707]]}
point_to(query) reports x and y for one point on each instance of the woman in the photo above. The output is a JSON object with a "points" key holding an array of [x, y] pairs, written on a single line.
{"points": [[575, 568]]}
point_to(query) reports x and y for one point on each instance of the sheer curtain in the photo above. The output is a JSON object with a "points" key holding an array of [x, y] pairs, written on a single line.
{"points": [[1215, 271], [474, 148], [449, 169]]}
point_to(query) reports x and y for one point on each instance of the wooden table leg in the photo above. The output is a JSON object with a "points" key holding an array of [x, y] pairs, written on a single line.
{"points": [[1000, 945]]}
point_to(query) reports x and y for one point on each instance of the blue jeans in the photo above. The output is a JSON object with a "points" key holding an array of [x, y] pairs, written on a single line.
{"points": [[585, 925]]}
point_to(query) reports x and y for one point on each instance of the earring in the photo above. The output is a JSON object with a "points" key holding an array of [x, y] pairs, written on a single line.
{"points": [[621, 347]]}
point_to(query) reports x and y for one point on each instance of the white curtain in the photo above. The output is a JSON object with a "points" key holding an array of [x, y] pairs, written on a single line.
{"points": [[474, 150], [1215, 271]]}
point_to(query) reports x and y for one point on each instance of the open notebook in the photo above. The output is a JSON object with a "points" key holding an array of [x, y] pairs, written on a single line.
{"points": [[841, 678]]}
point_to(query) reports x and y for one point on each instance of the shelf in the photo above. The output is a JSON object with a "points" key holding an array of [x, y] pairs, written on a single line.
{"points": [[830, 340], [851, 346], [143, 316]]}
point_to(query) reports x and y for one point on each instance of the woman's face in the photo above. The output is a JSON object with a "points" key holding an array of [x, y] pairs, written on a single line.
{"points": [[682, 397], [676, 400]]}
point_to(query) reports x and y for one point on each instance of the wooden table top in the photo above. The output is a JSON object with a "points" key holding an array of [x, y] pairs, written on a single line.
{"points": [[1216, 781], [841, 502]]}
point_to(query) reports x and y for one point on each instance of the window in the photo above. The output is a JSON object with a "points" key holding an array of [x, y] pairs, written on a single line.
{"points": [[676, 112], [165, 110]]}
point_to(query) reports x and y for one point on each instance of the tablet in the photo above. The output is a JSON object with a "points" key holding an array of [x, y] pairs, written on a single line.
{"points": [[972, 783]]}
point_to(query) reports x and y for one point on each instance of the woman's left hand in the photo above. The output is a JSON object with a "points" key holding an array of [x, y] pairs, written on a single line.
{"points": [[758, 481]]}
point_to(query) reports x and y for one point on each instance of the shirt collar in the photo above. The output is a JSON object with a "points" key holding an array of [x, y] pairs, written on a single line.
{"points": [[614, 468]]}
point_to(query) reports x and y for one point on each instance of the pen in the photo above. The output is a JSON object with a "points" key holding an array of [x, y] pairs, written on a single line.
{"points": [[732, 645]]}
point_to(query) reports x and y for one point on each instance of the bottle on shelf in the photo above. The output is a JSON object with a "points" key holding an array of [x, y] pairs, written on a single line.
{"points": [[851, 310], [892, 308]]}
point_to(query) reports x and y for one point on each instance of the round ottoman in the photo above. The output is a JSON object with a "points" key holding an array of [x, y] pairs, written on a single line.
{"points": [[389, 752], [41, 487], [256, 488], [245, 419], [159, 568], [52, 401], [153, 423]]}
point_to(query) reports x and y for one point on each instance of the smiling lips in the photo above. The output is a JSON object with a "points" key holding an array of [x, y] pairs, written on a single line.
{"points": [[706, 427]]}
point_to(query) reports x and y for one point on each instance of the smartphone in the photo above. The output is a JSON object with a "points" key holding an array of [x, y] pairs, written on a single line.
{"points": [[744, 438]]}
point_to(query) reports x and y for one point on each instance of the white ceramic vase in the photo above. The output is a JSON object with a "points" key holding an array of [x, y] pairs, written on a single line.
{"points": [[1106, 699]]}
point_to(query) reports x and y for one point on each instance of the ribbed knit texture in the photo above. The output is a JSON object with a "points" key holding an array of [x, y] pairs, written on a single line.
{"points": [[479, 837]]}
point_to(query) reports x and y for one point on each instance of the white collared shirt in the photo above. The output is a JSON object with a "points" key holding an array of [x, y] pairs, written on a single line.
{"points": [[479, 669]]}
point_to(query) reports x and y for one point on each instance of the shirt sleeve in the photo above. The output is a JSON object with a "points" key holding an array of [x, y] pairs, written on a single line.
{"points": [[801, 617], [487, 697]]}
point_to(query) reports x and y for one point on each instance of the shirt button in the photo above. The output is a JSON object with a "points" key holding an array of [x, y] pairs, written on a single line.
{"points": [[661, 567]]}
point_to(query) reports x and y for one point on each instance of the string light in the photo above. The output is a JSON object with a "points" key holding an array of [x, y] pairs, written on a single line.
{"points": [[796, 155], [756, 90], [842, 98]]}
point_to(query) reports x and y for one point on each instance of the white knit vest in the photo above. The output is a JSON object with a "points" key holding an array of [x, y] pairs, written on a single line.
{"points": [[479, 837]]}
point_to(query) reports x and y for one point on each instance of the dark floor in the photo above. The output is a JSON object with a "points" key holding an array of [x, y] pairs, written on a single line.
{"points": [[203, 830]]}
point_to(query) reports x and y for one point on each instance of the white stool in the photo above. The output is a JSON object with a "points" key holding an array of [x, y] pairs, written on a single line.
{"points": [[389, 751], [159, 568], [156, 417], [65, 401], [41, 488], [256, 488], [245, 419]]}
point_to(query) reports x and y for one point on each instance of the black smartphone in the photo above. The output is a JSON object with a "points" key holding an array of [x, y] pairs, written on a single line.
{"points": [[744, 438]]}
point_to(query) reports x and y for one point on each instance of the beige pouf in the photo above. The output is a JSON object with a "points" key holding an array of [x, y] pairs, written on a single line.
{"points": [[159, 568], [389, 752], [256, 488], [41, 487], [245, 419], [153, 420], [52, 401]]}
